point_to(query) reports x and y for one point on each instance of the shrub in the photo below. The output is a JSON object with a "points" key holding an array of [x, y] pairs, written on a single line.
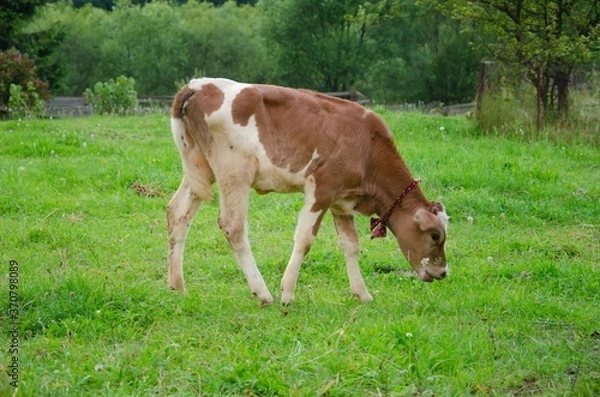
{"points": [[19, 70], [113, 96], [25, 103]]}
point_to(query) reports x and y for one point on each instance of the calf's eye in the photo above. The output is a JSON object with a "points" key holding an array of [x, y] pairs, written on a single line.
{"points": [[435, 236]]}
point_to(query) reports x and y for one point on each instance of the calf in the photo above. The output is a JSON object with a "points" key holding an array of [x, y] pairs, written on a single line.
{"points": [[275, 139]]}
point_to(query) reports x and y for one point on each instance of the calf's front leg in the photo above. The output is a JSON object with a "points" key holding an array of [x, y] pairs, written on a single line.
{"points": [[348, 239], [306, 231]]}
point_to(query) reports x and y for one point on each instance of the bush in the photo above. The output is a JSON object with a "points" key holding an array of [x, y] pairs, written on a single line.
{"points": [[25, 103], [113, 96], [19, 70]]}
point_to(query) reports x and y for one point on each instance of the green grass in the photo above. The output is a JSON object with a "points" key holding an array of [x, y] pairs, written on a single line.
{"points": [[82, 206]]}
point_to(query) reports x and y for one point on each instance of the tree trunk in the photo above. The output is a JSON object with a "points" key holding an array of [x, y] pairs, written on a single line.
{"points": [[561, 78], [539, 99], [481, 85]]}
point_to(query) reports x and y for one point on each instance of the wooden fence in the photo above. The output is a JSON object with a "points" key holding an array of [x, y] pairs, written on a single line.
{"points": [[77, 106], [432, 107]]}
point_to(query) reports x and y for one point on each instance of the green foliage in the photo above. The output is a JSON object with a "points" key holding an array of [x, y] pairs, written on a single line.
{"points": [[19, 69], [390, 50], [25, 103], [385, 49], [546, 40], [13, 14], [323, 45], [423, 56], [223, 42], [98, 44], [518, 314], [113, 96]]}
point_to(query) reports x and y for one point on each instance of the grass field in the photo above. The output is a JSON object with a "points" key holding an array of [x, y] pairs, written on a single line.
{"points": [[82, 217]]}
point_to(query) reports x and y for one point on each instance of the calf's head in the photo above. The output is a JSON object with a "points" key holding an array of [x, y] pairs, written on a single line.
{"points": [[421, 237]]}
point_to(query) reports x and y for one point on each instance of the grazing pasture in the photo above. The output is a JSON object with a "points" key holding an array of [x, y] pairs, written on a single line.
{"points": [[82, 212]]}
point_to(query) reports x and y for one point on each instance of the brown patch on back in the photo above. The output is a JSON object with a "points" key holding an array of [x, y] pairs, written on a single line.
{"points": [[210, 99], [192, 106], [281, 127], [245, 104], [292, 124]]}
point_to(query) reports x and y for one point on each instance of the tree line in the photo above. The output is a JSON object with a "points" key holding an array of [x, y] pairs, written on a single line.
{"points": [[391, 50]]}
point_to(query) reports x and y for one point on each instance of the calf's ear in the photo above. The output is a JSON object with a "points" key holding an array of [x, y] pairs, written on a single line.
{"points": [[435, 207], [423, 218], [439, 210]]}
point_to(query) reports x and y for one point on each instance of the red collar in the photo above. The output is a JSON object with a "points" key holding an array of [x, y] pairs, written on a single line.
{"points": [[378, 225]]}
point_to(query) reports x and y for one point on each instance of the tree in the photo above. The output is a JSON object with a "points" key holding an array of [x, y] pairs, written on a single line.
{"points": [[392, 50], [323, 45], [547, 38], [422, 55], [13, 14], [157, 44]]}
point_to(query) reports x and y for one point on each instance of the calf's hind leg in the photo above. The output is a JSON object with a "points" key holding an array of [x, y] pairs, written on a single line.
{"points": [[180, 212], [234, 197]]}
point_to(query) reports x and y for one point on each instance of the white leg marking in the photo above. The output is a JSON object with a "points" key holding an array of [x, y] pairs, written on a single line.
{"points": [[180, 212], [233, 222], [348, 239], [306, 230]]}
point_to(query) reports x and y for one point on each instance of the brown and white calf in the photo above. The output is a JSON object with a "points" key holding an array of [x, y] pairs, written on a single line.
{"points": [[275, 139]]}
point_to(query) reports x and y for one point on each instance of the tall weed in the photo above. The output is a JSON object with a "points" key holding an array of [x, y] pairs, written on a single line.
{"points": [[510, 110]]}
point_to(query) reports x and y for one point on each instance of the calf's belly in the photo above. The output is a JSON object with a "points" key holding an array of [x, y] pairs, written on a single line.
{"points": [[270, 178]]}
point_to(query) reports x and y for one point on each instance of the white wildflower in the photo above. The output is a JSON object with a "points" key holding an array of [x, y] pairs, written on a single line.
{"points": [[470, 220]]}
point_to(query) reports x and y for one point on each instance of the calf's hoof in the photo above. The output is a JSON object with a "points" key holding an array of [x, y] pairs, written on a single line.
{"points": [[177, 285], [265, 297], [364, 297], [287, 298]]}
